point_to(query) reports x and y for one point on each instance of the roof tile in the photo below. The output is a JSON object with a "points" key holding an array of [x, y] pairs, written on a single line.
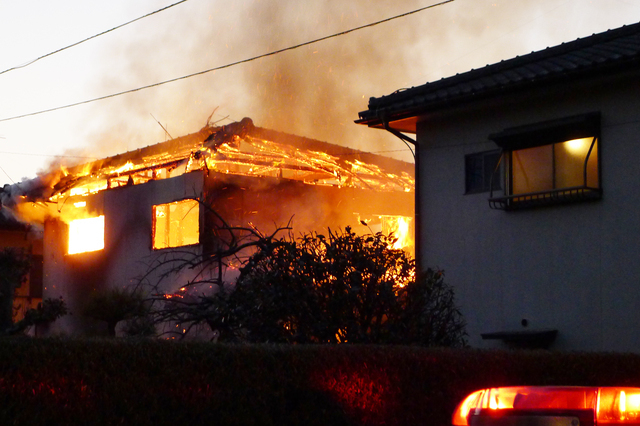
{"points": [[608, 50]]}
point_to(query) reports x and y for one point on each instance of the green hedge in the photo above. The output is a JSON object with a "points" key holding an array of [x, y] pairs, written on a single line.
{"points": [[152, 382]]}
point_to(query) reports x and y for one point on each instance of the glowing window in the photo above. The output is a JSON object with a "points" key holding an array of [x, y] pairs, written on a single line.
{"points": [[86, 235], [550, 163], [176, 224], [561, 165]]}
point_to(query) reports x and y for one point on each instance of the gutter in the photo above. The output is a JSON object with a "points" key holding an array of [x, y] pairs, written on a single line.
{"points": [[417, 227]]}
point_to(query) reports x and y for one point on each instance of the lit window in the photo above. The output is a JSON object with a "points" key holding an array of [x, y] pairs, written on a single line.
{"points": [[86, 235], [176, 224], [550, 163], [556, 166]]}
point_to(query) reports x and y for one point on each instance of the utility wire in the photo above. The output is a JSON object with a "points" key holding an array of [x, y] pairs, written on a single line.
{"points": [[90, 38], [264, 55], [3, 171]]}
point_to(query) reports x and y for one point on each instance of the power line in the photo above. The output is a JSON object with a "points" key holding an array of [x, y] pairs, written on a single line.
{"points": [[12, 181], [90, 38], [264, 55]]}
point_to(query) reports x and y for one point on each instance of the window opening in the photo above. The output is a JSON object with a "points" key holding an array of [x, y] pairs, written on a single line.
{"points": [[176, 224], [550, 163], [86, 235], [482, 172]]}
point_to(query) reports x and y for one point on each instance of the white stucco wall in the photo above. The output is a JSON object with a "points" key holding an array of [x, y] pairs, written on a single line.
{"points": [[575, 268]]}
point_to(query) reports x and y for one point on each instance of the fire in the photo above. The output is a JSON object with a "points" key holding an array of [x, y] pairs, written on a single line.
{"points": [[246, 152], [400, 227], [239, 149], [176, 224], [86, 235]]}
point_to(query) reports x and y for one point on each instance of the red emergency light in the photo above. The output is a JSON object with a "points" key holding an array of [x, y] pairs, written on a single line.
{"points": [[550, 406]]}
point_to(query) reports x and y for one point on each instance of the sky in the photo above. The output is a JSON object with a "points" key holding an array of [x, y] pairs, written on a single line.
{"points": [[314, 91]]}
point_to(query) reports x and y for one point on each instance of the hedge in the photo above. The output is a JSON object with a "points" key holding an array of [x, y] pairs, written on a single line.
{"points": [[155, 382]]}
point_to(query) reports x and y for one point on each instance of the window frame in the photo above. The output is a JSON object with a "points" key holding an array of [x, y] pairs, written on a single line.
{"points": [[549, 133], [154, 224], [487, 184]]}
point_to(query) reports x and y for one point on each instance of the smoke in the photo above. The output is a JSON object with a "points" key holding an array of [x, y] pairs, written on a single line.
{"points": [[314, 91]]}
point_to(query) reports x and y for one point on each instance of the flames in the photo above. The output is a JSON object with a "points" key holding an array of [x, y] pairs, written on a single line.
{"points": [[400, 228], [176, 224], [237, 149], [242, 150], [86, 235]]}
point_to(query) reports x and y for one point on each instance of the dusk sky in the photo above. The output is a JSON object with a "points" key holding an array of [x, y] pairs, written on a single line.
{"points": [[314, 91]]}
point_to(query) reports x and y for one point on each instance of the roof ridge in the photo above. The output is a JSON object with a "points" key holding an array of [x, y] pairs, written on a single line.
{"points": [[577, 45]]}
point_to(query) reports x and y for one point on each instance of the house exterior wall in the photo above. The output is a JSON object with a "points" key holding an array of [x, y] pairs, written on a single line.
{"points": [[127, 251], [573, 267], [266, 203]]}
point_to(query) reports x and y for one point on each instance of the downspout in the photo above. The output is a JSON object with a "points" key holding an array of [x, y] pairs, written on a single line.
{"points": [[417, 209]]}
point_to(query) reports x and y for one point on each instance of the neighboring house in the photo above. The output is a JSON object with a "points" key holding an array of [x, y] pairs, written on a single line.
{"points": [[25, 240], [107, 221], [528, 191]]}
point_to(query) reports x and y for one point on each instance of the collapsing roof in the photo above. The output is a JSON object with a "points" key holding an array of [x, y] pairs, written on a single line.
{"points": [[240, 149]]}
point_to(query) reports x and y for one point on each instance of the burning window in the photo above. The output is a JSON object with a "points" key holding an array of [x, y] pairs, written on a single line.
{"points": [[86, 235], [176, 224]]}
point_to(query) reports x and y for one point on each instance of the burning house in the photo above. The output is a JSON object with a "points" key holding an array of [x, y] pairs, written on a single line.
{"points": [[106, 221]]}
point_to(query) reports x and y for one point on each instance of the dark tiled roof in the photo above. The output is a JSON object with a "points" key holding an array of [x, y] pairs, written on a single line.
{"points": [[608, 51]]}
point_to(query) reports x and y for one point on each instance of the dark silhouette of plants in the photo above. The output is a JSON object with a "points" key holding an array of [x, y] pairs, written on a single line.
{"points": [[47, 311], [333, 288], [341, 287], [114, 305], [14, 266]]}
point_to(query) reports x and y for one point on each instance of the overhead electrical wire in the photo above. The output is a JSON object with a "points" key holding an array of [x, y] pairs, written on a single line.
{"points": [[90, 38], [264, 55]]}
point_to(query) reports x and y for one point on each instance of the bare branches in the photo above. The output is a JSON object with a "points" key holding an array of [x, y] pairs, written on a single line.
{"points": [[180, 281]]}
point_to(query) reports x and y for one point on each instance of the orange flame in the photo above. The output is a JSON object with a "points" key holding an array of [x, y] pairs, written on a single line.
{"points": [[86, 235]]}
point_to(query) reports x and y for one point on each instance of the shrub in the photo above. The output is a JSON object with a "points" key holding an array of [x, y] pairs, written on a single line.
{"points": [[114, 305], [337, 288], [14, 266]]}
